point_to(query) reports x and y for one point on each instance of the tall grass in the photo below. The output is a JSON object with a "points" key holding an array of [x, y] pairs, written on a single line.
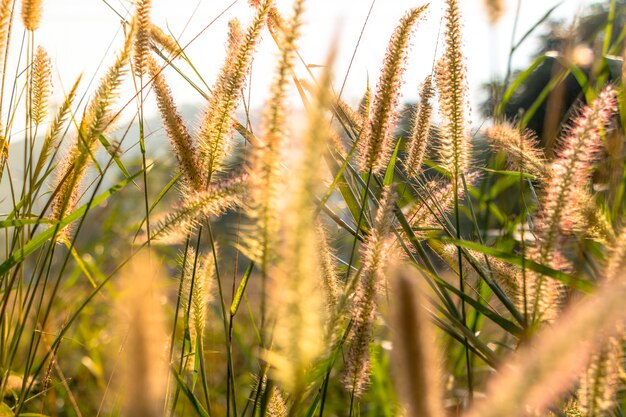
{"points": [[345, 265]]}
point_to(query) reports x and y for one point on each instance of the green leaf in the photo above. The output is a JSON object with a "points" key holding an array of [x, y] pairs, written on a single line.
{"points": [[391, 167], [240, 291], [190, 395]]}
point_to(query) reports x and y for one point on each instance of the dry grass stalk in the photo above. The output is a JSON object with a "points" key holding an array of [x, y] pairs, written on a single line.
{"points": [[420, 132], [451, 77], [31, 14], [376, 144], [375, 254], [415, 359]]}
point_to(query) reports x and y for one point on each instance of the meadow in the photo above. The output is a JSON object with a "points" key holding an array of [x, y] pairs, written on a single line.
{"points": [[318, 258]]}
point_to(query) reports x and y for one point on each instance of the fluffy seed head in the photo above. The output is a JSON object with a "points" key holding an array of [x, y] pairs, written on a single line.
{"points": [[41, 74], [521, 148], [177, 132], [495, 9], [375, 145], [31, 14], [418, 141], [141, 47], [197, 291], [375, 254], [212, 201], [142, 322], [600, 381], [96, 120], [556, 356], [451, 77], [218, 124], [414, 356], [165, 41]]}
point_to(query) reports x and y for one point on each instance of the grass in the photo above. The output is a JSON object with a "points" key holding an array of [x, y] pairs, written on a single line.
{"points": [[362, 262]]}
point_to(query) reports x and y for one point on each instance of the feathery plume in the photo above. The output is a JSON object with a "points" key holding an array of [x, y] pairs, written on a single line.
{"points": [[375, 146], [141, 47], [165, 41], [560, 204], [327, 265], [617, 258], [352, 118], [213, 201], [41, 74], [599, 383], [31, 14], [181, 140], [197, 291], [555, 356], [145, 367], [495, 9], [218, 125], [297, 279], [52, 138], [451, 77], [521, 148], [96, 119], [418, 141], [265, 162], [414, 355], [5, 24], [375, 254]]}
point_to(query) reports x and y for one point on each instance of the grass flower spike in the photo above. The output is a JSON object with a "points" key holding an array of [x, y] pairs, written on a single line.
{"points": [[181, 140], [42, 85], [420, 132], [31, 14], [218, 125], [375, 146], [375, 255], [451, 77]]}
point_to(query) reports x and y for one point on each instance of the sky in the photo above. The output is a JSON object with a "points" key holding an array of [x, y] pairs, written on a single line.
{"points": [[80, 36]]}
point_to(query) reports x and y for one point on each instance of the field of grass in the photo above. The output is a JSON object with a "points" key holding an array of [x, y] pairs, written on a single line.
{"points": [[334, 261]]}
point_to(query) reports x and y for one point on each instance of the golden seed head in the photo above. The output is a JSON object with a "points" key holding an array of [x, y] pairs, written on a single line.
{"points": [[41, 74], [376, 142], [31, 14], [451, 77], [495, 10]]}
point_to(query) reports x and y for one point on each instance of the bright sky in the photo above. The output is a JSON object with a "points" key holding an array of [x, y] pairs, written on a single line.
{"points": [[77, 34]]}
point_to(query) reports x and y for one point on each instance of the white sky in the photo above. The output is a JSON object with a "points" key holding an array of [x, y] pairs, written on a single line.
{"points": [[77, 33]]}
